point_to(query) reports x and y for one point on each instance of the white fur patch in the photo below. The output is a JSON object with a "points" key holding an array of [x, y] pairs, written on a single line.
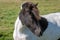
{"points": [[21, 32]]}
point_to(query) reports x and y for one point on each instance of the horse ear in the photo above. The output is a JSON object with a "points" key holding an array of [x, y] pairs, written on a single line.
{"points": [[36, 4]]}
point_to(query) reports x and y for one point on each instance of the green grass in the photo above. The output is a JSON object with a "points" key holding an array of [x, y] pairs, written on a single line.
{"points": [[9, 10]]}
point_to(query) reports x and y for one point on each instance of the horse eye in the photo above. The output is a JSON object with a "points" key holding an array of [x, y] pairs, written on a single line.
{"points": [[31, 7]]}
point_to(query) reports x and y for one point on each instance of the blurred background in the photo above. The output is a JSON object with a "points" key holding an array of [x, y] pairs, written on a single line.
{"points": [[9, 10]]}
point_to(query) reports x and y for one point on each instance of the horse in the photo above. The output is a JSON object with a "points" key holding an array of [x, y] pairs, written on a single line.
{"points": [[30, 25]]}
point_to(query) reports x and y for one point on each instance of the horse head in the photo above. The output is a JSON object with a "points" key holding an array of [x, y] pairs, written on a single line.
{"points": [[29, 16]]}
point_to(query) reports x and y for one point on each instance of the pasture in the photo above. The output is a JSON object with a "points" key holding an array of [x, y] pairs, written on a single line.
{"points": [[9, 10]]}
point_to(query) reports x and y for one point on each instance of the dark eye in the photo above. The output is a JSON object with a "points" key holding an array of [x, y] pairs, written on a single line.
{"points": [[31, 7]]}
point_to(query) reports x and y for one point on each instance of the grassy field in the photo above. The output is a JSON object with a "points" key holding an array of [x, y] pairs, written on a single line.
{"points": [[9, 10]]}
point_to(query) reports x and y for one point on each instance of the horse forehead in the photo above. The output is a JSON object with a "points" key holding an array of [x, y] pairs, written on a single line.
{"points": [[28, 4]]}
